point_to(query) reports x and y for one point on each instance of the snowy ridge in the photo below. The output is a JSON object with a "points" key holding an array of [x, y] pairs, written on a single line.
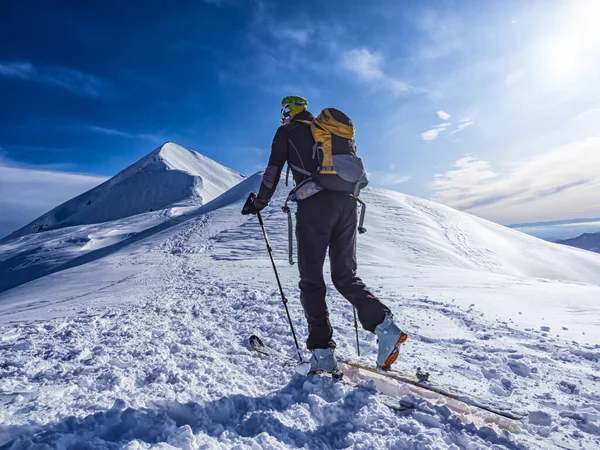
{"points": [[424, 232], [168, 176], [142, 344]]}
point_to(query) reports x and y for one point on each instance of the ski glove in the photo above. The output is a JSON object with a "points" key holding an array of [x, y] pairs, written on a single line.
{"points": [[255, 207]]}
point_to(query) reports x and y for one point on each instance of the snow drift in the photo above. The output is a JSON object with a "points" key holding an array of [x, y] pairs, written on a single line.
{"points": [[170, 175]]}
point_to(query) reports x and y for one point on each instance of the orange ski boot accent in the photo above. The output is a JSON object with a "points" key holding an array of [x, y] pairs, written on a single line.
{"points": [[394, 355]]}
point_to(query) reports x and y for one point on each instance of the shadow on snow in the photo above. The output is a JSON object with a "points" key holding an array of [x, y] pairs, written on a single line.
{"points": [[239, 415]]}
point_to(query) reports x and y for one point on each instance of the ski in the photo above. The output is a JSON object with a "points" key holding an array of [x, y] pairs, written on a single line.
{"points": [[257, 344], [413, 381], [361, 372], [401, 406]]}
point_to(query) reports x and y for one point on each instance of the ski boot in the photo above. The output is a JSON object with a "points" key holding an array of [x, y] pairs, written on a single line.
{"points": [[323, 360], [389, 337]]}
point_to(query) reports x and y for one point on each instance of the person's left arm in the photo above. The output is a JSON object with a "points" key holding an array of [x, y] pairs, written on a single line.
{"points": [[277, 160]]}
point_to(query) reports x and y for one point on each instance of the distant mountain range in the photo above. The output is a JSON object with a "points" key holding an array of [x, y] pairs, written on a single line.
{"points": [[559, 230], [553, 222], [587, 241]]}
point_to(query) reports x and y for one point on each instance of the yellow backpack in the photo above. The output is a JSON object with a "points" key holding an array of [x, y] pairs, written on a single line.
{"points": [[339, 169]]}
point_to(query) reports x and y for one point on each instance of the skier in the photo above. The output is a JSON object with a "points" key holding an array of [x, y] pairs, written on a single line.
{"points": [[325, 220]]}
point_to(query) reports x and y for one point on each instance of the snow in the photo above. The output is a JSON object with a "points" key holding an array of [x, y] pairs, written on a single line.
{"points": [[170, 175], [140, 342]]}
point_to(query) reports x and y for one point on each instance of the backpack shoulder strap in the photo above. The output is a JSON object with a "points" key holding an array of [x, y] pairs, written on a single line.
{"points": [[292, 126]]}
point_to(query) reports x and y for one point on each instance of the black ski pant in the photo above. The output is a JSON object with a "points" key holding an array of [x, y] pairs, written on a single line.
{"points": [[329, 220]]}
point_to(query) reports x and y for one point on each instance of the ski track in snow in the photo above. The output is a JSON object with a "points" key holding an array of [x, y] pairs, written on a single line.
{"points": [[146, 348]]}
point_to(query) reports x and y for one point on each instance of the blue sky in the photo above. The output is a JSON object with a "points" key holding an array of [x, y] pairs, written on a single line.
{"points": [[491, 107]]}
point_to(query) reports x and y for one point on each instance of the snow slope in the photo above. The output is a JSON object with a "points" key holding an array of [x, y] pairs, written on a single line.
{"points": [[144, 346], [170, 175]]}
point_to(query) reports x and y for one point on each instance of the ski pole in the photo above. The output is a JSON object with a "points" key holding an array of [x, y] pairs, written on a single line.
{"points": [[356, 328], [250, 200]]}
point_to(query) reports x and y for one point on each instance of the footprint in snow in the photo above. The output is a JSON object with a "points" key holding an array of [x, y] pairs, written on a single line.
{"points": [[519, 368]]}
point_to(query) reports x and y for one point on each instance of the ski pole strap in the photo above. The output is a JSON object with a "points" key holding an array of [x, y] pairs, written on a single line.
{"points": [[363, 211], [286, 209]]}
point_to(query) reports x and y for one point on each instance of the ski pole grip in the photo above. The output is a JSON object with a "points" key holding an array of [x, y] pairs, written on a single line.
{"points": [[248, 203]]}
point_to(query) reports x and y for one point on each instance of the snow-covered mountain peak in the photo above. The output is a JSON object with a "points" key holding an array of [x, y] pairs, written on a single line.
{"points": [[176, 157], [170, 175]]}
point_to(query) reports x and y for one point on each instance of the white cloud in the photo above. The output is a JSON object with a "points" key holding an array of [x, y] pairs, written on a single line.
{"points": [[443, 115], [26, 193], [363, 63], [389, 178], [514, 77], [74, 81], [433, 133], [16, 70], [552, 185], [464, 123], [300, 36], [588, 113], [368, 66], [219, 3], [442, 35], [153, 138], [107, 131], [398, 87]]}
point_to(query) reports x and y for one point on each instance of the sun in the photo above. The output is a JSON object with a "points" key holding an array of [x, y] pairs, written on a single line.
{"points": [[568, 52], [564, 58]]}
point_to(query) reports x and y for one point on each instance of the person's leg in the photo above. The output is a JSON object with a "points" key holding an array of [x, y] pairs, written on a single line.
{"points": [[342, 256], [313, 230]]}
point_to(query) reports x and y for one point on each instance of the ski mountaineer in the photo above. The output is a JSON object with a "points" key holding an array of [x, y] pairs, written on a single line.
{"points": [[325, 220]]}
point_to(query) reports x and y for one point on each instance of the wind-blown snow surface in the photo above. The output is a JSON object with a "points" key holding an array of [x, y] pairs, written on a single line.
{"points": [[167, 176], [145, 346]]}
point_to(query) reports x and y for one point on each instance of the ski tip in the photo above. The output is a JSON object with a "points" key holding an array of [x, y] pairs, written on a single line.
{"points": [[254, 340]]}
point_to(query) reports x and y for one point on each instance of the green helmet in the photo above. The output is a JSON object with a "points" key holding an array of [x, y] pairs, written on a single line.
{"points": [[292, 105]]}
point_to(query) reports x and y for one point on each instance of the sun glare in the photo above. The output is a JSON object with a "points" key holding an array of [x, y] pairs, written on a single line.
{"points": [[564, 58], [572, 50]]}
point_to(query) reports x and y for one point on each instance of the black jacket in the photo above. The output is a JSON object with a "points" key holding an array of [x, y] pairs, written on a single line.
{"points": [[293, 143]]}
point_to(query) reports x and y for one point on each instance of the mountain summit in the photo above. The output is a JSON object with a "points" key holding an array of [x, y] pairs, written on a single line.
{"points": [[168, 176]]}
